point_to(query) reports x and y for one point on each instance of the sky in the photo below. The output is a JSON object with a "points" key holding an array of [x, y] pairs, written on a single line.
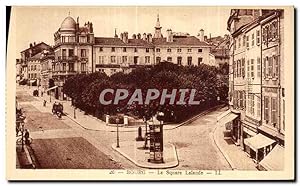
{"points": [[36, 24]]}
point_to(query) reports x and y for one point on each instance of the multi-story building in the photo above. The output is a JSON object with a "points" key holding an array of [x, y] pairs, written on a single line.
{"points": [[73, 51], [76, 50], [46, 60], [255, 91]]}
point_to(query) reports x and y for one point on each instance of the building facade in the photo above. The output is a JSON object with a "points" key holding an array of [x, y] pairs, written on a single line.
{"points": [[255, 91]]}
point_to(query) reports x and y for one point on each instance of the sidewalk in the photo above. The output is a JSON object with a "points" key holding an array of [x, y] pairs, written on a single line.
{"points": [[235, 156], [89, 122], [134, 152]]}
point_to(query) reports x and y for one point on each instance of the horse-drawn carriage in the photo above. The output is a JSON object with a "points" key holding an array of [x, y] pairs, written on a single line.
{"points": [[57, 109]]}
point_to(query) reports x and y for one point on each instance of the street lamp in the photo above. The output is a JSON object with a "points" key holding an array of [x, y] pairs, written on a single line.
{"points": [[146, 135], [118, 140], [74, 112], [160, 117]]}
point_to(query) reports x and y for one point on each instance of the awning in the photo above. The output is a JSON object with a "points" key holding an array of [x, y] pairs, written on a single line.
{"points": [[51, 88], [258, 141], [228, 118], [274, 161]]}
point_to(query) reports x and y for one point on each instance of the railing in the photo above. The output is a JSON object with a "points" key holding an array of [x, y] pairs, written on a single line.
{"points": [[67, 58]]}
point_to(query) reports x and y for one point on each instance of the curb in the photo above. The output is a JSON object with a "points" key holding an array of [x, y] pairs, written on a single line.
{"points": [[147, 166], [227, 158]]}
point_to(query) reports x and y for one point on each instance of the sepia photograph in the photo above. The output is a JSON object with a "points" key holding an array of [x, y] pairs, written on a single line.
{"points": [[150, 93]]}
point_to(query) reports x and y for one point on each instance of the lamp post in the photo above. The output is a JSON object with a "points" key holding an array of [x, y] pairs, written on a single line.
{"points": [[160, 118], [146, 135], [118, 140]]}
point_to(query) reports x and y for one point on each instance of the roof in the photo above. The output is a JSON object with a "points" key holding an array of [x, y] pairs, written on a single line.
{"points": [[186, 41], [259, 141], [36, 56], [68, 24], [36, 46], [189, 40], [274, 161], [112, 41]]}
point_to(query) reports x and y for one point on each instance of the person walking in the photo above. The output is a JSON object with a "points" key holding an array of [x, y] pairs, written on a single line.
{"points": [[26, 136]]}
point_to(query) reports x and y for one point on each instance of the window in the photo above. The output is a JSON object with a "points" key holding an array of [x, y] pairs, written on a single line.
{"points": [[124, 49], [158, 59], [252, 68], [266, 114], [199, 50], [64, 53], [247, 41], [189, 59], [101, 59], [270, 66], [179, 60], [252, 39], [189, 50], [274, 111], [158, 50], [101, 49], [234, 69], [258, 67], [178, 50], [113, 59], [83, 67], [135, 50], [34, 67], [124, 59], [169, 59], [113, 49], [234, 44], [71, 52], [113, 70], [258, 107], [239, 43], [276, 65], [169, 50], [244, 40], [243, 67], [147, 50], [83, 52], [71, 67], [248, 68], [199, 60], [147, 59], [258, 37], [264, 67], [64, 66], [136, 60]]}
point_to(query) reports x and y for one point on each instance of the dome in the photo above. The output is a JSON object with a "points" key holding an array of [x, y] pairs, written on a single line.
{"points": [[68, 24]]}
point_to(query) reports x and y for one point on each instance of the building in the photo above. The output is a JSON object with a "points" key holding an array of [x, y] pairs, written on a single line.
{"points": [[29, 61], [256, 94], [77, 51], [73, 52], [46, 60]]}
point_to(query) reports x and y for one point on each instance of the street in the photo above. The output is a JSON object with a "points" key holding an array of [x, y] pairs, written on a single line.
{"points": [[62, 143]]}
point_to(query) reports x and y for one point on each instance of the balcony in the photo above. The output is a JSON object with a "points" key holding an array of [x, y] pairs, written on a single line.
{"points": [[67, 58], [63, 73]]}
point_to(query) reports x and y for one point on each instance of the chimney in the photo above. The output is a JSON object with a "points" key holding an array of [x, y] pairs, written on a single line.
{"points": [[205, 38], [139, 36], [121, 36], [169, 35], [149, 37], [126, 37], [144, 37], [34, 43], [30, 45], [201, 35], [133, 36]]}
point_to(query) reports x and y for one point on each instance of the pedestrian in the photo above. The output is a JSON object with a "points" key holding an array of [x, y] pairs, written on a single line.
{"points": [[44, 103], [42, 93], [26, 136]]}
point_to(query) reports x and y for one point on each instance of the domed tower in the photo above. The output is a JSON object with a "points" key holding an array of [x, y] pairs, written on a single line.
{"points": [[68, 25], [157, 27]]}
